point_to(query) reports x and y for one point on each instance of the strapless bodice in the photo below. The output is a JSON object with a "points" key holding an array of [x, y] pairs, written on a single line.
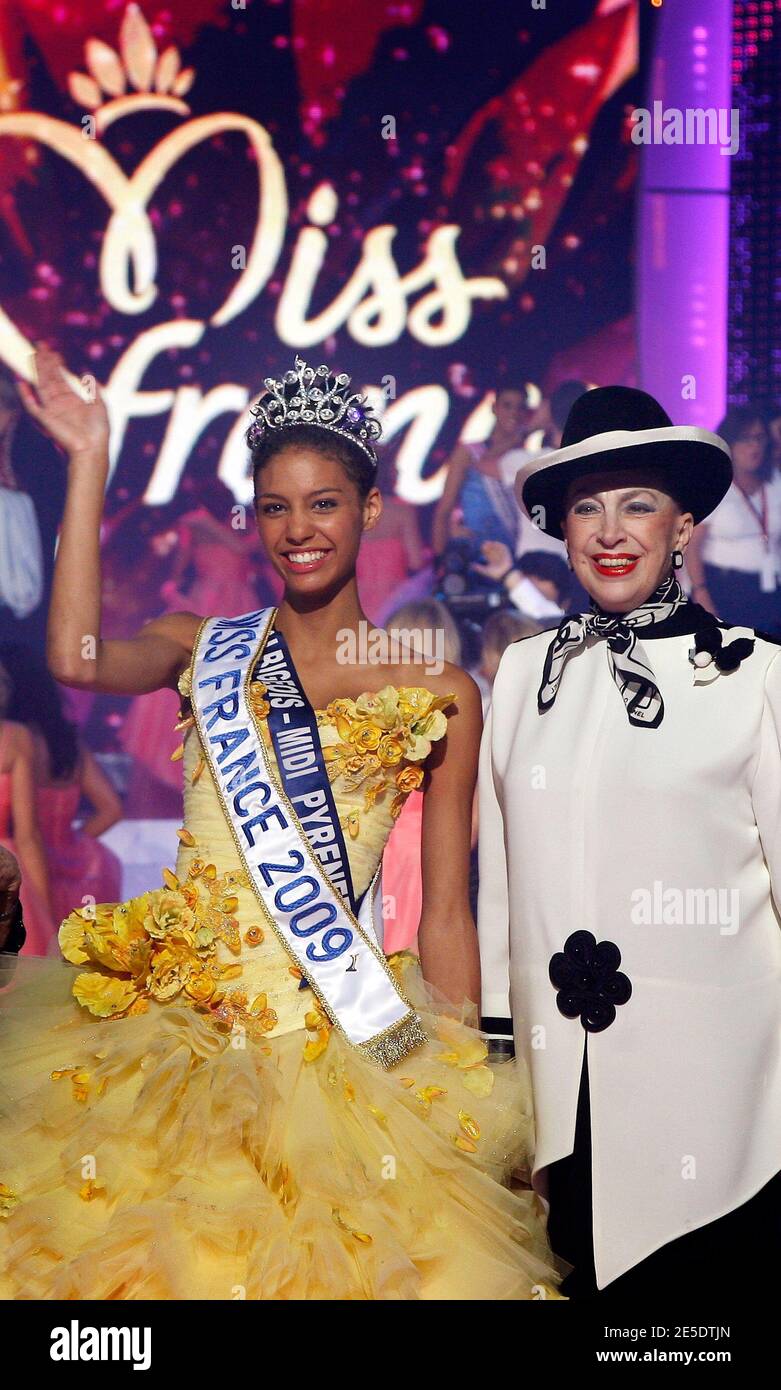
{"points": [[375, 749]]}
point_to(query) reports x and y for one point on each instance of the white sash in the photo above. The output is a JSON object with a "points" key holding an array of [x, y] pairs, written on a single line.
{"points": [[333, 948]]}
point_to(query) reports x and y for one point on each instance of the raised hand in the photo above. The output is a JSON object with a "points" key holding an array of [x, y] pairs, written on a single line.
{"points": [[497, 559], [78, 425]]}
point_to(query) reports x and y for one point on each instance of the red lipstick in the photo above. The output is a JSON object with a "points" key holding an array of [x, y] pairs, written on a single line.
{"points": [[614, 565]]}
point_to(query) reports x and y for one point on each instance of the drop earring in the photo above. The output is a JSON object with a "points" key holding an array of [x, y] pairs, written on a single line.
{"points": [[569, 562], [677, 559]]}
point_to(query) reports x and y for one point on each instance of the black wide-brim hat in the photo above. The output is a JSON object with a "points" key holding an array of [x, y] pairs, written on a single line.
{"points": [[615, 429]]}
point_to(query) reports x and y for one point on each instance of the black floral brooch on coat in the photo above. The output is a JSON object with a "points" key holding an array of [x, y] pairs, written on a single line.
{"points": [[588, 980], [709, 649]]}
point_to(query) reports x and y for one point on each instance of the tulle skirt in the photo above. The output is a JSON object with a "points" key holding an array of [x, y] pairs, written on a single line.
{"points": [[152, 1157]]}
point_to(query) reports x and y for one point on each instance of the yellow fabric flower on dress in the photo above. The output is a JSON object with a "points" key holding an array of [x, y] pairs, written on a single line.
{"points": [[169, 974], [343, 726], [130, 917], [342, 706], [157, 943], [423, 733], [168, 910], [365, 735], [71, 938], [102, 934], [355, 765], [390, 750], [414, 702], [201, 987], [381, 706], [105, 996], [103, 948], [408, 779], [432, 726]]}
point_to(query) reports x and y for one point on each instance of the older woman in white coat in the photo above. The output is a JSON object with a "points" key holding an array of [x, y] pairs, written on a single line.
{"points": [[630, 875]]}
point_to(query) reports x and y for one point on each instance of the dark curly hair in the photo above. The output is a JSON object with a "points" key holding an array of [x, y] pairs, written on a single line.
{"points": [[356, 464], [36, 698]]}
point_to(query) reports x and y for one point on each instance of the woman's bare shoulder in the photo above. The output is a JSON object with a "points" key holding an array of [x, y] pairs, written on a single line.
{"points": [[182, 627], [440, 677]]}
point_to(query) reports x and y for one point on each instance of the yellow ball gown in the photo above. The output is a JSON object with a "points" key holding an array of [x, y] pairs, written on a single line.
{"points": [[212, 1137]]}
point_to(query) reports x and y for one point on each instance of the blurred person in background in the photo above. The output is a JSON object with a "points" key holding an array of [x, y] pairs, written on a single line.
{"points": [[475, 482], [539, 584], [393, 551], [205, 566], [21, 555], [551, 418], [64, 771], [20, 832], [32, 496], [774, 430], [214, 561], [501, 628], [402, 875], [734, 559]]}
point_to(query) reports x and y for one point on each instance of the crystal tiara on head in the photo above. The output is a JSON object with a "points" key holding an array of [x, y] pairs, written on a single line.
{"points": [[320, 398]]}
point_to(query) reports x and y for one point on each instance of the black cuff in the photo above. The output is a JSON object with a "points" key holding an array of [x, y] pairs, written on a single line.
{"points": [[497, 1027]]}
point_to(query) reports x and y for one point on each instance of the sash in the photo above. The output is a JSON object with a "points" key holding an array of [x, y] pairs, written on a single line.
{"points": [[293, 728], [333, 947]]}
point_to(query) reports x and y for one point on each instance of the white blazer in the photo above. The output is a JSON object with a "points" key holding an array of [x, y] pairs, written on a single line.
{"points": [[666, 842]]}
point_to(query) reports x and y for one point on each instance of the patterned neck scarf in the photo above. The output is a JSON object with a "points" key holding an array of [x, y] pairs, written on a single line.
{"points": [[627, 660]]}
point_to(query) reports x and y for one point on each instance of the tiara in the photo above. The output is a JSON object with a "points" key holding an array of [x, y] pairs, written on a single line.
{"points": [[326, 404]]}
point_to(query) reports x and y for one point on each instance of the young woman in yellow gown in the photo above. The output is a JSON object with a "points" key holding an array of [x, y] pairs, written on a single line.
{"points": [[183, 1114]]}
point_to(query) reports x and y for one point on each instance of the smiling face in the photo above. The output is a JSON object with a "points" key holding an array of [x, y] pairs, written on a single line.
{"points": [[510, 410], [310, 517], [620, 531], [749, 449]]}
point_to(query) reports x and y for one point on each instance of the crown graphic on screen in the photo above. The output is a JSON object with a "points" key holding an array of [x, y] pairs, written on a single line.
{"points": [[136, 76], [315, 396]]}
